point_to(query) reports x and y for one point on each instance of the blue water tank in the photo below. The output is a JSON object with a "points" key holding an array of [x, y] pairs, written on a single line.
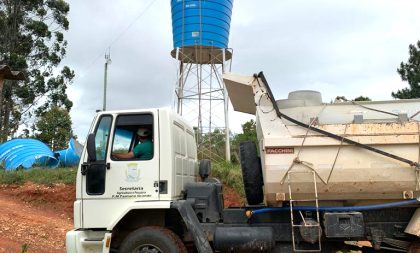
{"points": [[201, 22], [70, 156]]}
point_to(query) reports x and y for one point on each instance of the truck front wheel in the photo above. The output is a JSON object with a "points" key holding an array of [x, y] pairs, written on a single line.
{"points": [[152, 240]]}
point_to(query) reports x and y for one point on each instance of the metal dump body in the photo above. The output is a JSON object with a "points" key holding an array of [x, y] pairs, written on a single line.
{"points": [[345, 174]]}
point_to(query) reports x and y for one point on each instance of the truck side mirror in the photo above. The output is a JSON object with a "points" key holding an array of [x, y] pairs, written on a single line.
{"points": [[204, 169], [91, 148]]}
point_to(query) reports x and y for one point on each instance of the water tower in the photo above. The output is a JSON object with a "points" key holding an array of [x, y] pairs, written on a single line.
{"points": [[200, 31]]}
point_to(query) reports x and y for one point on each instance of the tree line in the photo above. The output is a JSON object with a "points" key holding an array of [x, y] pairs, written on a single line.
{"points": [[32, 41]]}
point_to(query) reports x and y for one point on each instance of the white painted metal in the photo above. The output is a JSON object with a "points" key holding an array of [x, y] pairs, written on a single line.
{"points": [[355, 175], [86, 241], [120, 187], [226, 101], [107, 61], [174, 161], [414, 224], [200, 93], [344, 112]]}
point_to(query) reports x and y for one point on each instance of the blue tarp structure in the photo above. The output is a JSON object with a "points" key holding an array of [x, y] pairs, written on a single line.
{"points": [[70, 156], [27, 152]]}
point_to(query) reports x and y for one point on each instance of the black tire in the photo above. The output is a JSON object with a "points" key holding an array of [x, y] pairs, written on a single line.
{"points": [[251, 173], [153, 240], [204, 169], [414, 247]]}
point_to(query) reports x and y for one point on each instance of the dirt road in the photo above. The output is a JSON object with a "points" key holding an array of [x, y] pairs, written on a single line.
{"points": [[35, 217]]}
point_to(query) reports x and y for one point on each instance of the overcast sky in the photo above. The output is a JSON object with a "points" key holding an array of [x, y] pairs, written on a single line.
{"points": [[346, 48]]}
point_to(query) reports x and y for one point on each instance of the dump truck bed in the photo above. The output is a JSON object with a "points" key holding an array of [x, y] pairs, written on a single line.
{"points": [[301, 164]]}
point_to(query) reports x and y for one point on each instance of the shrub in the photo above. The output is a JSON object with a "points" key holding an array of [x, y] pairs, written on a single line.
{"points": [[230, 174], [12, 177]]}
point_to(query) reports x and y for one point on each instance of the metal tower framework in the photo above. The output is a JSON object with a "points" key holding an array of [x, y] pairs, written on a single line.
{"points": [[201, 96]]}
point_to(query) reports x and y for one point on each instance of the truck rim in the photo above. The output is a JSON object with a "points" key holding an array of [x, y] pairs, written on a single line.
{"points": [[147, 248]]}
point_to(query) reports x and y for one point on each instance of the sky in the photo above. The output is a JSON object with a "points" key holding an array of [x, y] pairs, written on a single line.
{"points": [[340, 48]]}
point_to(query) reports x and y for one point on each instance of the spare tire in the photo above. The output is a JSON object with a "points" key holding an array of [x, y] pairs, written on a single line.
{"points": [[204, 169], [251, 172]]}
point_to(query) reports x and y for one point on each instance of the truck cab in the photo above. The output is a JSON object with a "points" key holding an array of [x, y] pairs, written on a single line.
{"points": [[111, 192]]}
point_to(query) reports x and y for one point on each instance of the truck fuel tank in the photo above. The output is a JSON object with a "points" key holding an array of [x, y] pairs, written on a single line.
{"points": [[244, 239]]}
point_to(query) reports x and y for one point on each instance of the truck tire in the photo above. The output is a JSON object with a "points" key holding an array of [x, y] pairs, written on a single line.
{"points": [[414, 247], [251, 173], [204, 169], [153, 240]]}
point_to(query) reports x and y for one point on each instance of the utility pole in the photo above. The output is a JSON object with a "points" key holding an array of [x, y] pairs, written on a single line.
{"points": [[107, 61]]}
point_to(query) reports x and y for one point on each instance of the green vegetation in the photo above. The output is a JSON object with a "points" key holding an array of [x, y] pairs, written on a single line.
{"points": [[25, 248], [39, 176], [230, 174], [32, 41], [362, 98], [54, 128], [410, 72], [249, 133], [212, 145]]}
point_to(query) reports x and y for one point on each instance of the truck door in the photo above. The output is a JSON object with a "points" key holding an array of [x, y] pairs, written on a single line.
{"points": [[136, 177], [94, 170], [113, 185]]}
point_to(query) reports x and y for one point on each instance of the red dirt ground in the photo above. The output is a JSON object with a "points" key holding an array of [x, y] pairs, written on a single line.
{"points": [[35, 216], [38, 216], [232, 198]]}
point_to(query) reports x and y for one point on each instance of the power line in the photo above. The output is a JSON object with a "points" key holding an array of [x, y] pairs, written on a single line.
{"points": [[132, 23], [142, 12]]}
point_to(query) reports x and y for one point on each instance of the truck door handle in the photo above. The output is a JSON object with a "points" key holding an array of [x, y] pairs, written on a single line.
{"points": [[84, 168]]}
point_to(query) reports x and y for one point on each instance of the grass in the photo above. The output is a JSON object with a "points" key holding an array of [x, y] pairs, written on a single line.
{"points": [[25, 248], [39, 176], [230, 174]]}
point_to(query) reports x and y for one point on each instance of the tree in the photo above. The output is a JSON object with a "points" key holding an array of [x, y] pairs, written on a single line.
{"points": [[54, 128], [362, 98], [32, 41], [410, 72], [249, 133], [212, 145]]}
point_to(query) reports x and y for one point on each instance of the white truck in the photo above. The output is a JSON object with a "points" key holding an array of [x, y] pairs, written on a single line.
{"points": [[321, 180]]}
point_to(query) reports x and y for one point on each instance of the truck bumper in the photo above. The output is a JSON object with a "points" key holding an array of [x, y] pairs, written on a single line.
{"points": [[87, 241]]}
